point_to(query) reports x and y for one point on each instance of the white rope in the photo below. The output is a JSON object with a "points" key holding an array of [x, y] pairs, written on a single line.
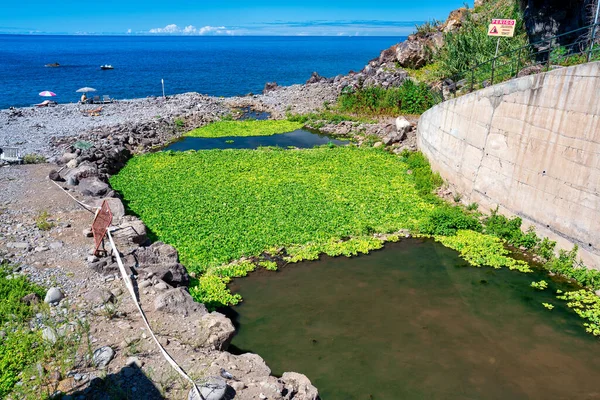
{"points": [[131, 290], [86, 206]]}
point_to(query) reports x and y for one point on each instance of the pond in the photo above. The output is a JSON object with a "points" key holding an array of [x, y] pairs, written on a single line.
{"points": [[413, 321], [300, 138]]}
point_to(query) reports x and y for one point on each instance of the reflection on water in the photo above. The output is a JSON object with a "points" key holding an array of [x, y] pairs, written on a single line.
{"points": [[250, 113], [300, 138], [412, 321]]}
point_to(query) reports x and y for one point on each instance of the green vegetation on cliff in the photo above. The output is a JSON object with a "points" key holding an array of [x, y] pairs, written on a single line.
{"points": [[470, 45], [410, 98]]}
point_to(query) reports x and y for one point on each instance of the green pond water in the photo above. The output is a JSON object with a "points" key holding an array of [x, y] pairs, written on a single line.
{"points": [[413, 321]]}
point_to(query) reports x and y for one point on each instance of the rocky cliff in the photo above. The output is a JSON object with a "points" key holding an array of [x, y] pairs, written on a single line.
{"points": [[547, 18]]}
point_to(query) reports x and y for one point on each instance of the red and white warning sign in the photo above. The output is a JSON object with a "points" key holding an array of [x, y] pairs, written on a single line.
{"points": [[502, 28]]}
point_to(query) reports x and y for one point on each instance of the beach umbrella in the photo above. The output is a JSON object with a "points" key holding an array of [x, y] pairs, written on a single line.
{"points": [[86, 90], [47, 93]]}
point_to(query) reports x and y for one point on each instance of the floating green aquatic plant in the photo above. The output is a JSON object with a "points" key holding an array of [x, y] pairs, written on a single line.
{"points": [[245, 128], [479, 249], [541, 285], [587, 305]]}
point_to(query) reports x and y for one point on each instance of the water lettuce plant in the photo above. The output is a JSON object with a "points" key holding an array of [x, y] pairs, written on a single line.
{"points": [[245, 128], [586, 304], [229, 212], [541, 285], [479, 250], [218, 206]]}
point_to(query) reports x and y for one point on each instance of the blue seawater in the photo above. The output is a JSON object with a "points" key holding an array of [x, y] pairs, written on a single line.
{"points": [[217, 66]]}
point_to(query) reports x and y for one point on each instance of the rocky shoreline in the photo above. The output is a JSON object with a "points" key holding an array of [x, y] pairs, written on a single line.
{"points": [[83, 151]]}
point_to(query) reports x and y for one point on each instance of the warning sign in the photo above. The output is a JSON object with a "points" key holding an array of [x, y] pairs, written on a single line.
{"points": [[502, 28]]}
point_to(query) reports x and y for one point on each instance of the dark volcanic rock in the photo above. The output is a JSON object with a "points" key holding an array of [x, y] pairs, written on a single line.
{"points": [[55, 176], [417, 50], [270, 86], [162, 261], [547, 18], [178, 301], [93, 187], [315, 78]]}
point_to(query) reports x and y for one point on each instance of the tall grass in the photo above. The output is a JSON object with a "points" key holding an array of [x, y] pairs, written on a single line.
{"points": [[470, 45], [410, 98]]}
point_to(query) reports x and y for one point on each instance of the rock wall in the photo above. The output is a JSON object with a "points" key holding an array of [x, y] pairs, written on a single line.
{"points": [[530, 146], [547, 18]]}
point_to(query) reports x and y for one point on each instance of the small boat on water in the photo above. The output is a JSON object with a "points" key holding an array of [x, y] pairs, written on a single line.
{"points": [[106, 66], [53, 65]]}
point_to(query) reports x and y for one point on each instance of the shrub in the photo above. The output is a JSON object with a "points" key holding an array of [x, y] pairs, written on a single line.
{"points": [[42, 223], [426, 181], [470, 45], [20, 346], [473, 207], [446, 220], [509, 229], [428, 27], [566, 264], [34, 159], [410, 98]]}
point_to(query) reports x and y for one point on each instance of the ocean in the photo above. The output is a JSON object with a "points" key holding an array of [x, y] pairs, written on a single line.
{"points": [[217, 66]]}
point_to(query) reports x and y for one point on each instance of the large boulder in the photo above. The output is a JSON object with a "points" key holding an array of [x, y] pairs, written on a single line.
{"points": [[115, 158], [93, 187], [54, 295], [412, 54], [162, 261], [403, 126], [66, 158], [418, 50], [299, 386], [157, 253], [174, 274], [178, 301], [269, 87], [131, 231], [215, 331], [455, 20], [55, 176], [116, 208], [315, 78], [84, 170], [211, 388]]}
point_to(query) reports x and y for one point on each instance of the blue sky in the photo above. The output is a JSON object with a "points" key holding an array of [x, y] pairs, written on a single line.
{"points": [[199, 17]]}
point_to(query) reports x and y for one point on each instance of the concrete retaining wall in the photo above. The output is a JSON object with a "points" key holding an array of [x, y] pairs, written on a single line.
{"points": [[531, 146]]}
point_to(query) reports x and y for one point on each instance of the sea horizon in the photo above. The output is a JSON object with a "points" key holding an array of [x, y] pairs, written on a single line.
{"points": [[212, 65]]}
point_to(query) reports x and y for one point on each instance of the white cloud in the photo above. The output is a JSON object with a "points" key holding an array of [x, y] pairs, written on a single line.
{"points": [[173, 29]]}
